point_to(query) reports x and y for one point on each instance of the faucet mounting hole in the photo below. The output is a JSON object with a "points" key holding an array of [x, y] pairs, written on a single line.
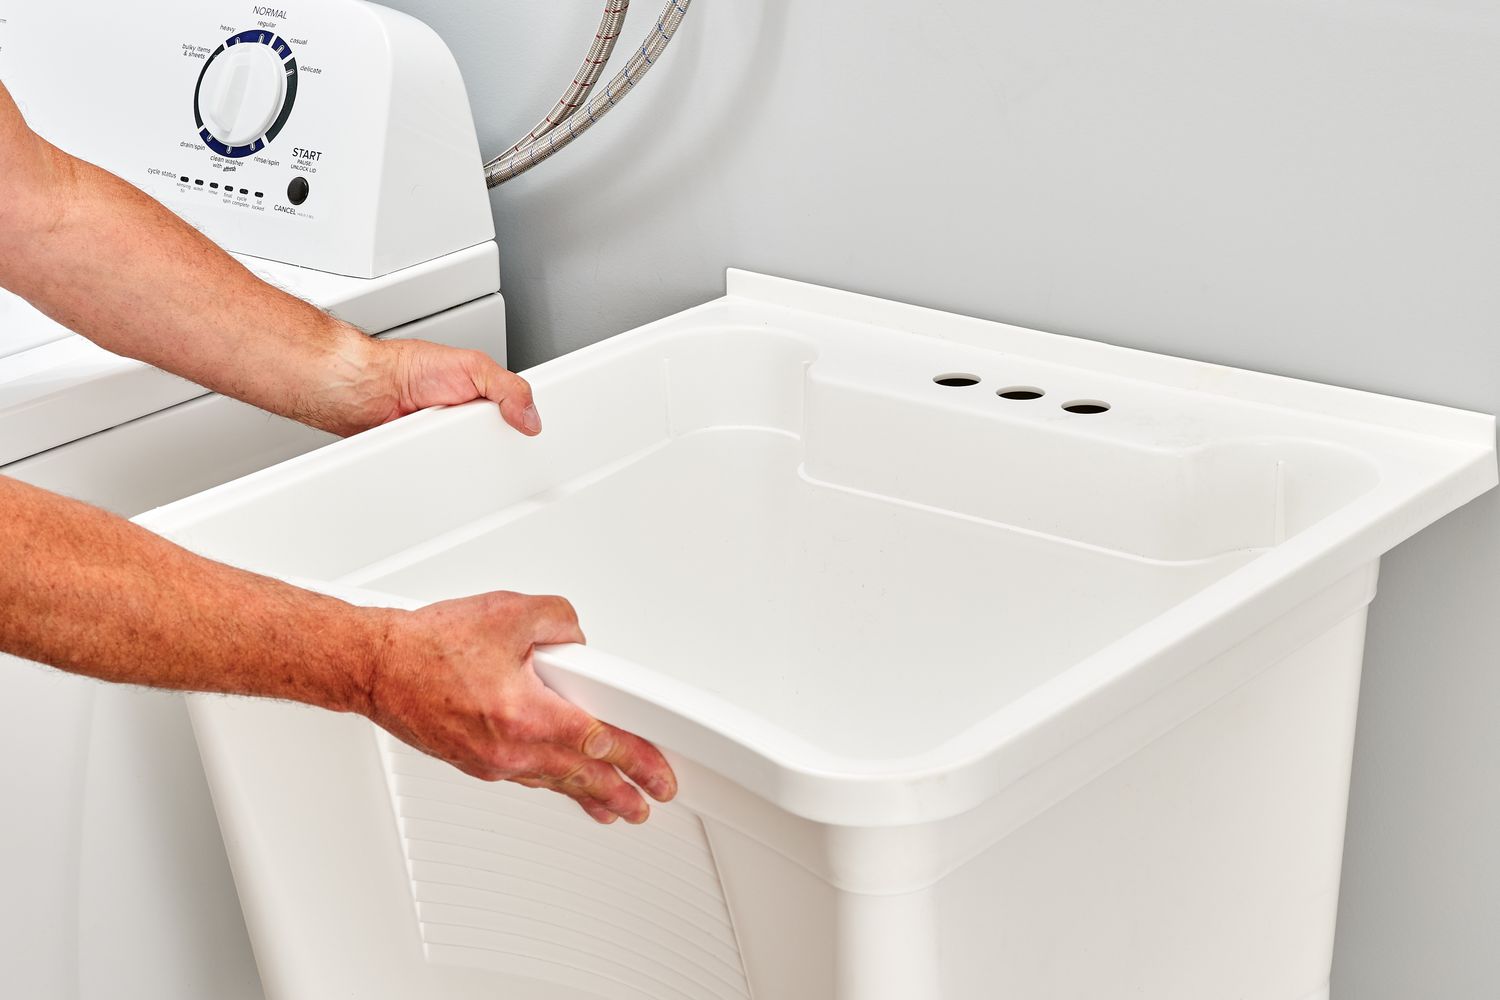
{"points": [[957, 379], [1086, 406], [1021, 392]]}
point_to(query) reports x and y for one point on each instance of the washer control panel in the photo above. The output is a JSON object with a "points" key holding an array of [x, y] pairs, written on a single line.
{"points": [[333, 134]]}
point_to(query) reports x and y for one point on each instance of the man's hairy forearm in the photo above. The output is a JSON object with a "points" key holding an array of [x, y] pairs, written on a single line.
{"points": [[106, 261], [91, 593]]}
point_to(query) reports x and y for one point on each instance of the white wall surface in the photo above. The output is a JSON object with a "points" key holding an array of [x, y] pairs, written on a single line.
{"points": [[1309, 187]]}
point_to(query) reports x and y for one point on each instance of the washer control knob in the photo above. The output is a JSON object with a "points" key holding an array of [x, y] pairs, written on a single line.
{"points": [[245, 93], [242, 94]]}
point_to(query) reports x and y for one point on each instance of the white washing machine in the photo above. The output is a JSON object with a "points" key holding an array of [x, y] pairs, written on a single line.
{"points": [[116, 882]]}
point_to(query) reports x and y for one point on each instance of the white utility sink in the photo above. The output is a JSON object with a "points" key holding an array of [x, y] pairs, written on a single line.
{"points": [[993, 664]]}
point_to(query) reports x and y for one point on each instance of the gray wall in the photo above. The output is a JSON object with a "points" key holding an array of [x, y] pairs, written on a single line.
{"points": [[1302, 186]]}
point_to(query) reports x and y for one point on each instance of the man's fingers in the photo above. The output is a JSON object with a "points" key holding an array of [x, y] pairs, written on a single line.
{"points": [[641, 762], [511, 391], [602, 782], [596, 779], [574, 729], [598, 813]]}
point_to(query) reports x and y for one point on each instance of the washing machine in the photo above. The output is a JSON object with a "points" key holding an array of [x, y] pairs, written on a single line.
{"points": [[330, 147]]}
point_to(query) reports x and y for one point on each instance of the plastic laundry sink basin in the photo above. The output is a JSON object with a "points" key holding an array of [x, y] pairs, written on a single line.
{"points": [[994, 663]]}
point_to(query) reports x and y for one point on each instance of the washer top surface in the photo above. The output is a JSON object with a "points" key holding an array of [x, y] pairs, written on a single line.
{"points": [[57, 387]]}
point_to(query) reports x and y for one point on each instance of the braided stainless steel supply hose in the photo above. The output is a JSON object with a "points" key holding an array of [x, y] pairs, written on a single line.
{"points": [[528, 153], [583, 81]]}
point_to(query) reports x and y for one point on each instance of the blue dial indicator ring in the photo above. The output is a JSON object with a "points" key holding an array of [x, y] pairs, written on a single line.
{"points": [[257, 36]]}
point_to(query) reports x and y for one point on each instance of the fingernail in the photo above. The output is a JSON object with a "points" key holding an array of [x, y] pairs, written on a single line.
{"points": [[660, 788], [531, 420]]}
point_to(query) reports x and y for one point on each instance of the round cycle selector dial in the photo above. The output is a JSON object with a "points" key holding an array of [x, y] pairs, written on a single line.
{"points": [[242, 94], [245, 93]]}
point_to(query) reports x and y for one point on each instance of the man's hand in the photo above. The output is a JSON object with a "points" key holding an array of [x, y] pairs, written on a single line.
{"points": [[456, 682], [373, 382]]}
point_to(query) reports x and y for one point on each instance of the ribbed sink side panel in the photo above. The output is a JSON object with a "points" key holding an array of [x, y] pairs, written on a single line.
{"points": [[522, 882]]}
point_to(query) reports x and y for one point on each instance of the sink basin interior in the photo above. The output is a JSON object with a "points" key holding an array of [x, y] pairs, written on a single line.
{"points": [[868, 627], [835, 542]]}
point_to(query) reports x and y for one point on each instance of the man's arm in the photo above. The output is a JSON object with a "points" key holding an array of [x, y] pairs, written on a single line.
{"points": [[110, 263], [94, 594]]}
